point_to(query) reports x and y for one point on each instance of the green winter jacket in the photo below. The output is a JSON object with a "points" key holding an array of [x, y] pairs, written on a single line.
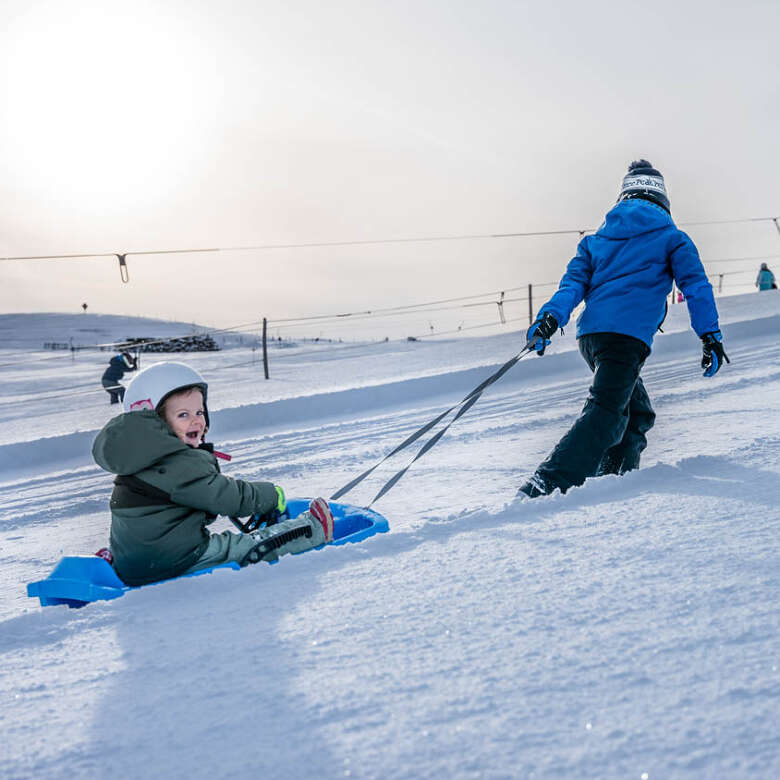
{"points": [[165, 495]]}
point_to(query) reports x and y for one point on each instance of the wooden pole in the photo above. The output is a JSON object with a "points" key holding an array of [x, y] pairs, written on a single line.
{"points": [[265, 347]]}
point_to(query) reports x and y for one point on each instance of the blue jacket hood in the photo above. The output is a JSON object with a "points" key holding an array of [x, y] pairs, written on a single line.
{"points": [[630, 218]]}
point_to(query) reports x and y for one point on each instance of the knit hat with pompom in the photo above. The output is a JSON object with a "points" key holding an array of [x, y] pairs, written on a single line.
{"points": [[645, 182]]}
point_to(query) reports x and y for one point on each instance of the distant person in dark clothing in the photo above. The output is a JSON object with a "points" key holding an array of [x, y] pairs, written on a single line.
{"points": [[765, 279], [117, 366], [624, 273]]}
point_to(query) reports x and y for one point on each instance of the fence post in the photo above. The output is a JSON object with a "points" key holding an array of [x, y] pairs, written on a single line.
{"points": [[265, 347], [530, 304], [720, 283]]}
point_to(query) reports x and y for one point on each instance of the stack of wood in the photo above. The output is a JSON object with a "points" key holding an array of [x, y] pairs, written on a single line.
{"points": [[204, 343]]}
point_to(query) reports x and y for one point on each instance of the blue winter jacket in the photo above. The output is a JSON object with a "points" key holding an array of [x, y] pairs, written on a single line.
{"points": [[116, 369], [624, 273], [765, 279]]}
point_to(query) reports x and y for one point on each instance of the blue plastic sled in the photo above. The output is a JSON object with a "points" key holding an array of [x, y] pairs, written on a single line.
{"points": [[79, 579]]}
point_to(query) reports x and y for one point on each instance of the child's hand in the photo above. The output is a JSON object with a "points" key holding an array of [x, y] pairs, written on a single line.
{"points": [[271, 517], [713, 353]]}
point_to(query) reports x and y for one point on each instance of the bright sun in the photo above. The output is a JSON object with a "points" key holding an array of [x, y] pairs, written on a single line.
{"points": [[103, 100]]}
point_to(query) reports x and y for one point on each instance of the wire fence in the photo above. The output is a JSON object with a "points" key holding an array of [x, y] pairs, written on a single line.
{"points": [[293, 337], [280, 351], [492, 303]]}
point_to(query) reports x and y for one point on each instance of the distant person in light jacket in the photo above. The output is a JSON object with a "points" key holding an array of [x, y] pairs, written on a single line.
{"points": [[765, 279], [117, 366], [624, 273]]}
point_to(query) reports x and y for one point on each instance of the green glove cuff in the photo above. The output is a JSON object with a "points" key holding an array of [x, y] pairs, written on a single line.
{"points": [[281, 503]]}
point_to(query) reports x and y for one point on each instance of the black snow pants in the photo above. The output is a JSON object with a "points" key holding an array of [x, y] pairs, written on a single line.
{"points": [[114, 389], [609, 435]]}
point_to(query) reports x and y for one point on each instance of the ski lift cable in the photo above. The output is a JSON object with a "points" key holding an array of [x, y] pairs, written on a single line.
{"points": [[741, 259], [416, 308], [729, 221], [77, 389], [359, 242], [391, 309], [342, 347], [419, 307], [414, 311], [471, 327], [290, 322], [301, 245], [235, 329], [731, 273], [242, 328], [292, 354]]}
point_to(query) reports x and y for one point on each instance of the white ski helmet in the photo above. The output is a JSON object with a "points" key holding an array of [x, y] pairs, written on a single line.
{"points": [[151, 386]]}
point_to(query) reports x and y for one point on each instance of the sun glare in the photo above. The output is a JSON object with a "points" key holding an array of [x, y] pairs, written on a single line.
{"points": [[104, 100]]}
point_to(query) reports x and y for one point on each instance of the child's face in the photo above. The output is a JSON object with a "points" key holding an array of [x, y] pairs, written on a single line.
{"points": [[184, 413]]}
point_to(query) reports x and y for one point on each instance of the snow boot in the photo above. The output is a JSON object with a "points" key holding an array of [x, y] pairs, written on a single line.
{"points": [[309, 529], [618, 462], [536, 486], [321, 511]]}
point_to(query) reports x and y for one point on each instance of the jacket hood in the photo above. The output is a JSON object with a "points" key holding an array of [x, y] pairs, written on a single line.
{"points": [[134, 441], [632, 218]]}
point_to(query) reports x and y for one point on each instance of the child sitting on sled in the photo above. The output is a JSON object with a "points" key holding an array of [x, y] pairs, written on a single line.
{"points": [[168, 488]]}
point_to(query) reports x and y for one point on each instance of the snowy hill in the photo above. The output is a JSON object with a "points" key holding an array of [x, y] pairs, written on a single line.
{"points": [[627, 629], [32, 331]]}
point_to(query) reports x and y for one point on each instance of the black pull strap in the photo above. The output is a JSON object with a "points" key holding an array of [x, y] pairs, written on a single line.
{"points": [[464, 405]]}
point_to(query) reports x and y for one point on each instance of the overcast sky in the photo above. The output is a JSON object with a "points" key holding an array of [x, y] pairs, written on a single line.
{"points": [[167, 125]]}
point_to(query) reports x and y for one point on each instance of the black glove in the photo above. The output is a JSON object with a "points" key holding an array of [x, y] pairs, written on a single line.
{"points": [[257, 521], [538, 336], [713, 354], [271, 517]]}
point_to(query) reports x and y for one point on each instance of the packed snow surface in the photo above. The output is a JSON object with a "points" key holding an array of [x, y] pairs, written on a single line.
{"points": [[628, 629]]}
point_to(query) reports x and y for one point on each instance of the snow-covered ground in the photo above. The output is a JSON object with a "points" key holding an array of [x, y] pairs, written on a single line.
{"points": [[626, 630]]}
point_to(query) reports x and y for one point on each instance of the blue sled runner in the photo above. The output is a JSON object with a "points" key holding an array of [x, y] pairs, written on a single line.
{"points": [[79, 579]]}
